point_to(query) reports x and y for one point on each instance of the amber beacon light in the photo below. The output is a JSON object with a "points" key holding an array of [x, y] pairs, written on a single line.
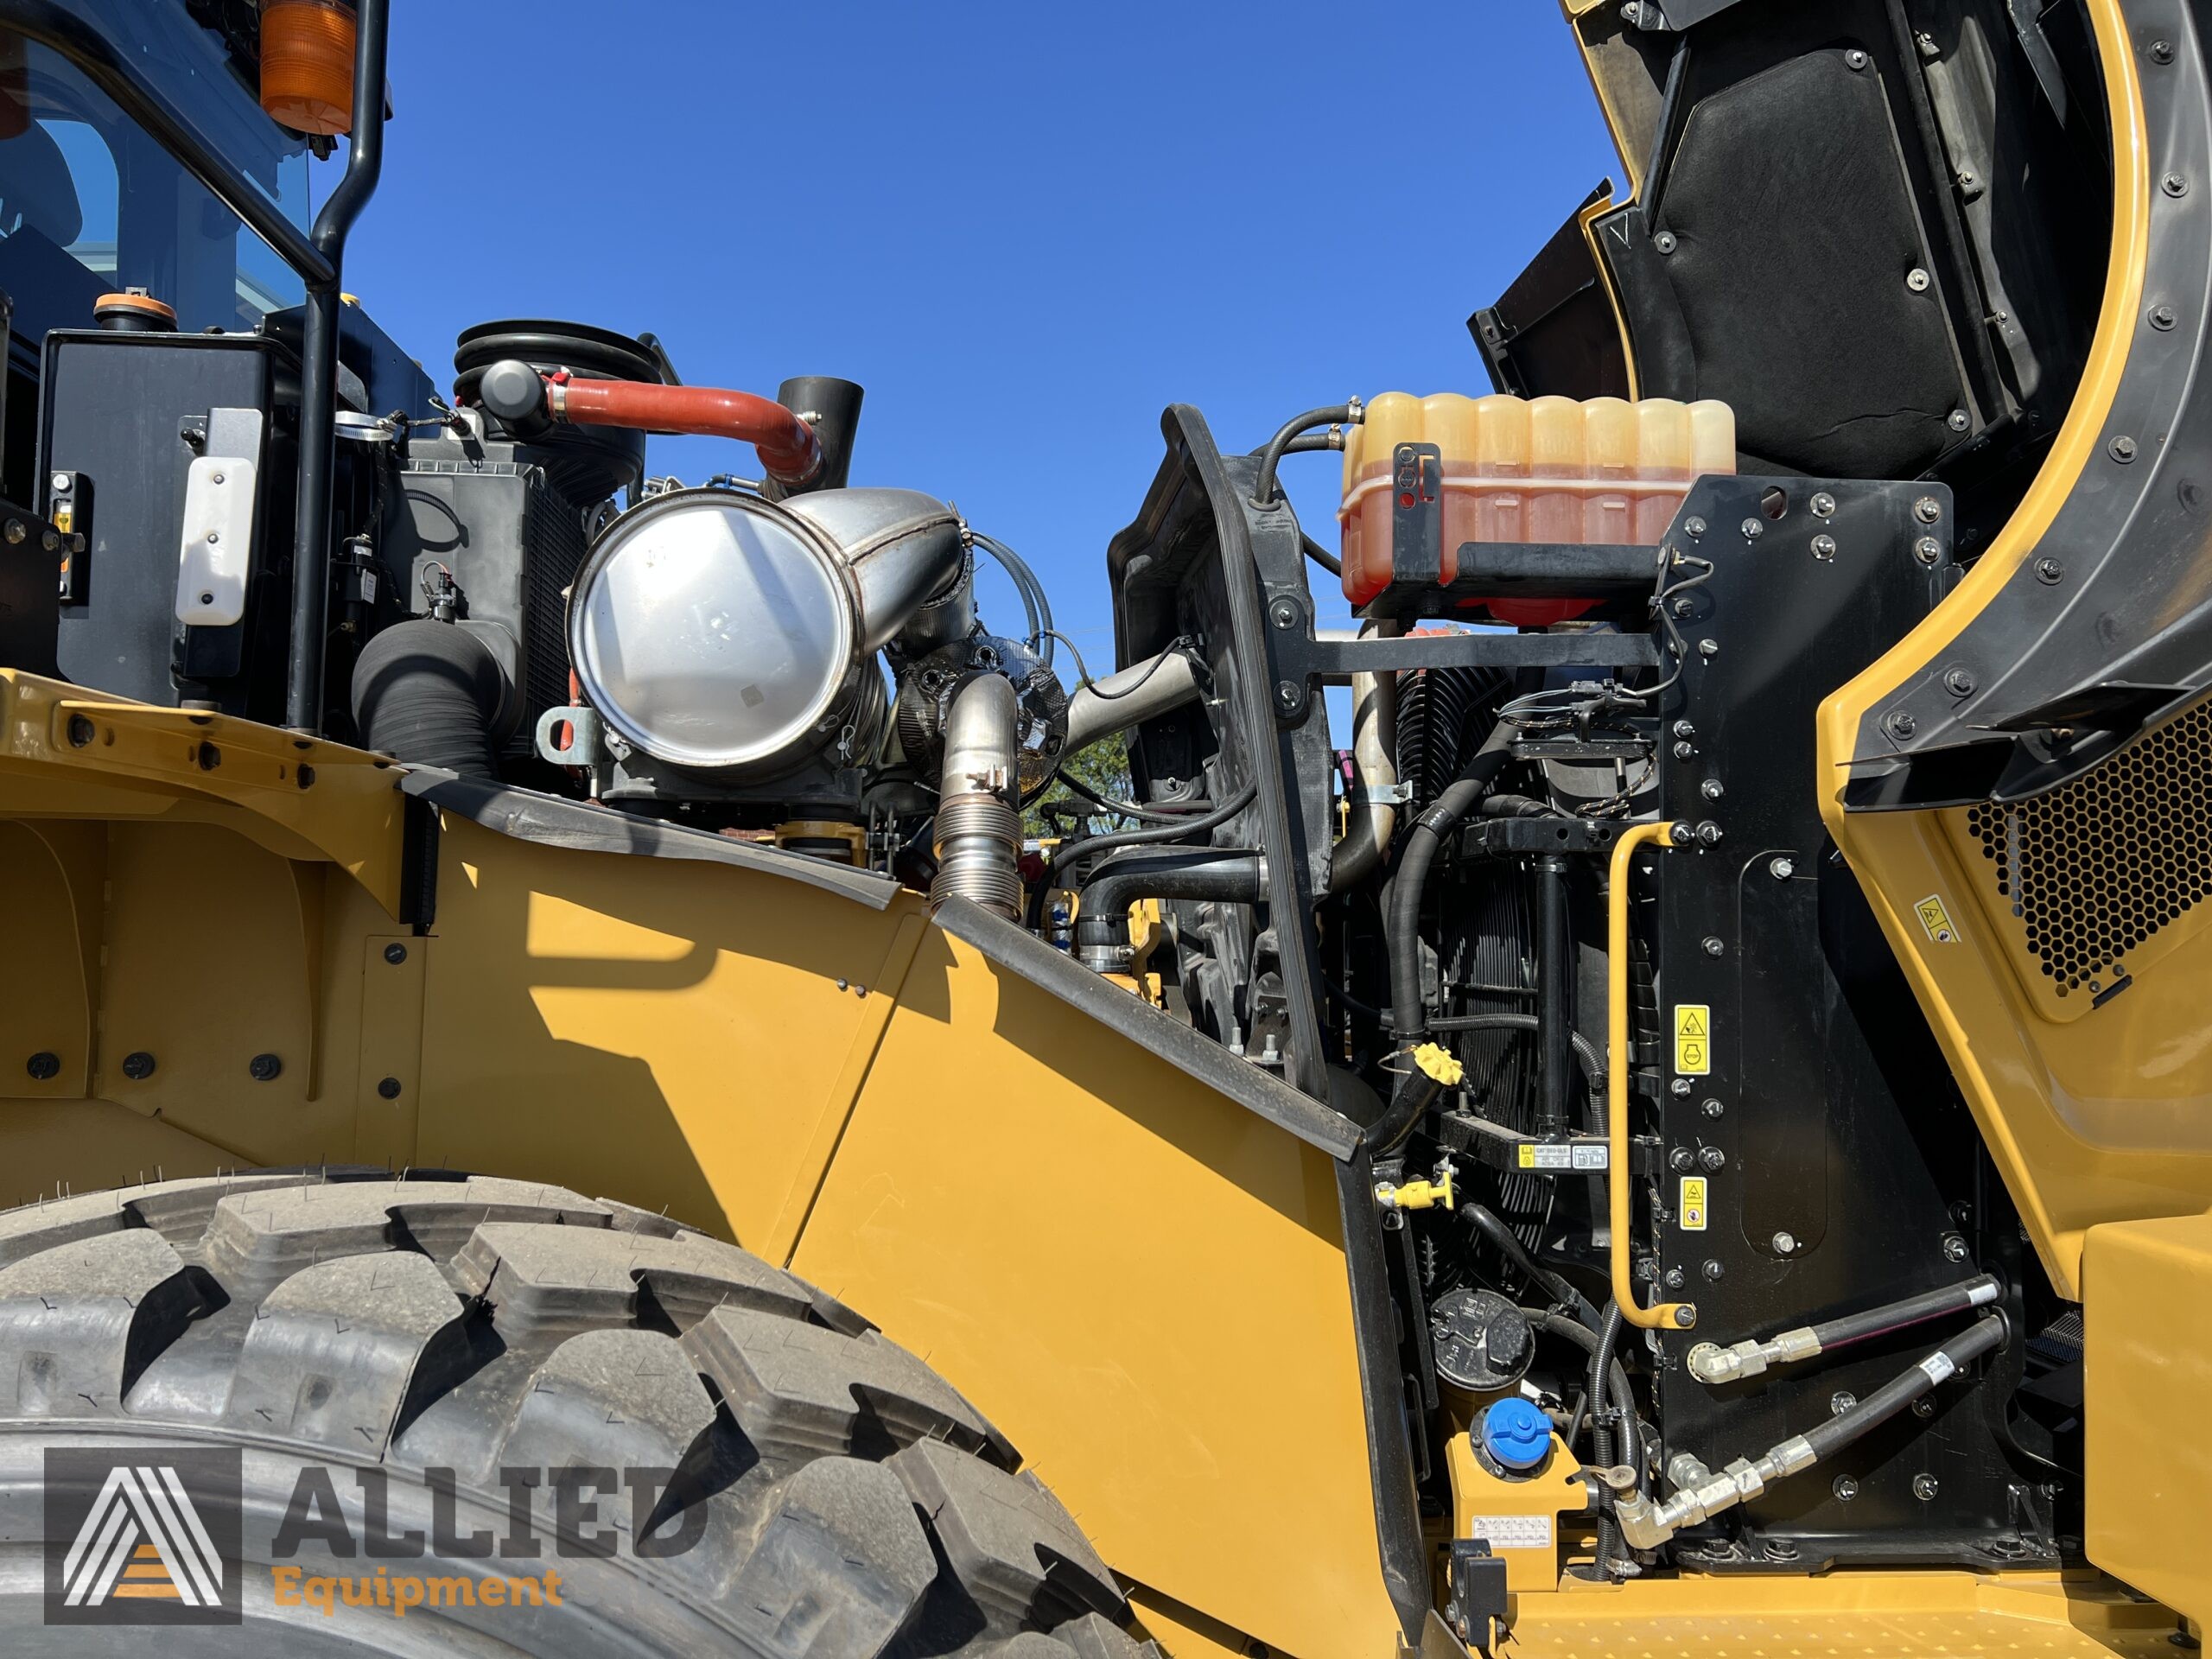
{"points": [[306, 65]]}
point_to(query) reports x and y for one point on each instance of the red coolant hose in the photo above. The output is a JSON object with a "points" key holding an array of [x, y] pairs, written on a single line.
{"points": [[788, 448]]}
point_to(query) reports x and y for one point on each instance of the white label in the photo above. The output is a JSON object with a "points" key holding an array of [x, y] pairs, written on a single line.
{"points": [[1534, 1155], [218, 547], [1588, 1156], [1512, 1531], [1938, 1365]]}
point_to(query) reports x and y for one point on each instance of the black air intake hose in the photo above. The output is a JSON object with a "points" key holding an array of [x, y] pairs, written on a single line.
{"points": [[428, 693]]}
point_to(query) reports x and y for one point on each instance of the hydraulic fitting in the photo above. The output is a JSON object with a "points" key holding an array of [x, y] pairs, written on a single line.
{"points": [[1431, 1194], [1646, 1523], [1712, 1363]]}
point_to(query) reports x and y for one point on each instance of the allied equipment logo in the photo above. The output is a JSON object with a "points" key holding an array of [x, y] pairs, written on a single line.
{"points": [[142, 1536]]}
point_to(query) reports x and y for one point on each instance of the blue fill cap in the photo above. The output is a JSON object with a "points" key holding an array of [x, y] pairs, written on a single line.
{"points": [[1516, 1433]]}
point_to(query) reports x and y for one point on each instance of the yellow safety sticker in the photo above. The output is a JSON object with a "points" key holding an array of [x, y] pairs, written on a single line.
{"points": [[1690, 1212], [1692, 1039], [1937, 919]]}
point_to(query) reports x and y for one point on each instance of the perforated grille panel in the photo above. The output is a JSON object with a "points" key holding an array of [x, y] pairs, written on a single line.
{"points": [[2095, 869]]}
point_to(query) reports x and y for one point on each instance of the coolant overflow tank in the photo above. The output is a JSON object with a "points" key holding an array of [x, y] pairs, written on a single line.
{"points": [[723, 633]]}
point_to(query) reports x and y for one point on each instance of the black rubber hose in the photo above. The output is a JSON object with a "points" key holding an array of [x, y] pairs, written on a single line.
{"points": [[427, 693], [1982, 1337], [1263, 488], [1585, 1052], [1188, 810], [1601, 1434], [1586, 1339], [1914, 1310], [1485, 1221], [1103, 914], [1068, 851], [1409, 1013], [1320, 555]]}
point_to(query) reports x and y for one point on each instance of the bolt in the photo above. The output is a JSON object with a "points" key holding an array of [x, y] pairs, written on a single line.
{"points": [[389, 1088], [1684, 751], [1959, 682], [16, 531], [1958, 420], [1968, 178], [1712, 1157], [1917, 280], [1784, 1243], [1283, 613], [1781, 869], [1680, 1088], [1840, 1401], [1924, 1406], [215, 478], [2049, 572], [1845, 1488], [265, 1068], [1900, 724], [44, 1065], [1753, 530], [1685, 1317], [1682, 607], [2162, 316], [1855, 58], [60, 483], [1675, 1279], [1286, 697], [1713, 946], [1711, 789], [1824, 548], [1681, 1161], [1683, 728], [2162, 51], [1927, 550], [2174, 185], [1709, 833], [1954, 1248], [1693, 528], [1927, 509], [1923, 1488], [395, 954], [1682, 835], [1664, 241], [1709, 647], [1714, 1270], [81, 731], [2122, 448], [214, 535], [1823, 505], [1712, 1107], [138, 1065]]}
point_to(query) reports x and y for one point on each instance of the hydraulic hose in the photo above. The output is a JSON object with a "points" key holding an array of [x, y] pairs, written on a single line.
{"points": [[1485, 1222], [1983, 1336], [1263, 488], [788, 448], [427, 693], [1408, 1013], [1713, 1364], [1068, 851], [1102, 925]]}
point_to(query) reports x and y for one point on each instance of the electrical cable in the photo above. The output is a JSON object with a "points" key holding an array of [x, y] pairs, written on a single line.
{"points": [[1067, 852], [1036, 603]]}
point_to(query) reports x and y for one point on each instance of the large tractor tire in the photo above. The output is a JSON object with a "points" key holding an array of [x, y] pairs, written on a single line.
{"points": [[762, 1473]]}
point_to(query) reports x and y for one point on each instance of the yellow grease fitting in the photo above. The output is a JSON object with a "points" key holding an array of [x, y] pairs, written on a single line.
{"points": [[1667, 1316]]}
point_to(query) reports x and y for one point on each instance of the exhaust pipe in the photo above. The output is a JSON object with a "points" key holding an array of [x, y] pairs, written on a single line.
{"points": [[978, 834]]}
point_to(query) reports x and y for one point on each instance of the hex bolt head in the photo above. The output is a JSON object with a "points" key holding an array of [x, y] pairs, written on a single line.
{"points": [[1845, 1488], [2162, 317], [1675, 1279], [389, 1088], [1927, 509], [1713, 1270], [1682, 835], [1709, 647], [1855, 58], [1840, 1401], [1900, 724], [43, 1066], [1960, 681], [1927, 550], [2174, 184], [1924, 1406], [1917, 279], [61, 482], [265, 1068], [138, 1065], [81, 731], [2122, 448], [1684, 751], [1714, 946], [1286, 697], [1680, 1088], [1711, 1157], [1823, 505], [1751, 529], [1685, 1317], [1682, 607], [1283, 613], [395, 954], [2049, 572], [1683, 728], [1924, 1488], [2162, 51], [1693, 527], [1782, 869], [1708, 834], [1712, 789], [1712, 1107], [1664, 241], [1681, 1161], [1785, 1244], [1958, 420], [1824, 548], [1954, 1248], [16, 532]]}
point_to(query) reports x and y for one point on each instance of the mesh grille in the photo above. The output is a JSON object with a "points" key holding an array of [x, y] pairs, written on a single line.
{"points": [[2094, 868]]}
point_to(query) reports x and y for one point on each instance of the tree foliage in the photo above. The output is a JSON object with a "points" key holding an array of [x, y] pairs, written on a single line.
{"points": [[1104, 767]]}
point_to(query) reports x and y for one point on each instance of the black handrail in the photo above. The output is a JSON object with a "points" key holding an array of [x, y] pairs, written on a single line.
{"points": [[138, 97]]}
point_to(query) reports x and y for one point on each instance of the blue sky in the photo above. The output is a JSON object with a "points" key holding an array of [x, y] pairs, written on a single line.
{"points": [[1025, 229]]}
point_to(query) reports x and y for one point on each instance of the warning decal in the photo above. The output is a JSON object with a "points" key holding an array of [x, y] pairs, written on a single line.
{"points": [[1692, 1039], [1937, 919], [1691, 1210]]}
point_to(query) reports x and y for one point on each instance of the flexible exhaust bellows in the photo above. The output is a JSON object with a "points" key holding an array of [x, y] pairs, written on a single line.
{"points": [[978, 837]]}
